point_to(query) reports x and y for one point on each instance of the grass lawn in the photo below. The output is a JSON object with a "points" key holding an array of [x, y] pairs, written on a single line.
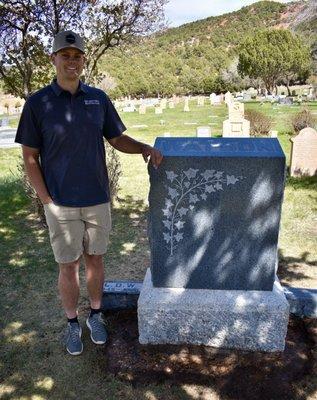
{"points": [[33, 364]]}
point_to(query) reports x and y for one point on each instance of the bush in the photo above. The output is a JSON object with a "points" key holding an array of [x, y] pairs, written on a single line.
{"points": [[31, 194], [114, 172], [303, 119], [260, 124]]}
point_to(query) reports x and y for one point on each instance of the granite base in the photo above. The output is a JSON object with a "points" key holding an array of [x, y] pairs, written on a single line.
{"points": [[246, 320]]}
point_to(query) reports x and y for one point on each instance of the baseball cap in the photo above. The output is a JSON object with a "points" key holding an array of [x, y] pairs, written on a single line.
{"points": [[66, 39]]}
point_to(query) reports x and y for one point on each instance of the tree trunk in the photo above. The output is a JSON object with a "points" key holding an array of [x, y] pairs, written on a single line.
{"points": [[288, 89]]}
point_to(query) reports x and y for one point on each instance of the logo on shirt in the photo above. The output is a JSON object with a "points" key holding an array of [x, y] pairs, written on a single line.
{"points": [[91, 102]]}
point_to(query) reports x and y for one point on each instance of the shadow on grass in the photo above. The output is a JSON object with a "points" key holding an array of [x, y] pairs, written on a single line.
{"points": [[128, 253], [306, 182], [291, 268], [23, 240]]}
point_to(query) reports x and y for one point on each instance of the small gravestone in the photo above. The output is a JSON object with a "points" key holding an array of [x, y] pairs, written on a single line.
{"points": [[142, 109], [246, 97], [200, 101], [304, 153], [163, 104], [212, 97], [119, 295], [186, 105], [158, 110], [128, 109], [203, 131], [228, 98], [285, 101], [214, 214], [171, 104], [5, 122], [236, 125]]}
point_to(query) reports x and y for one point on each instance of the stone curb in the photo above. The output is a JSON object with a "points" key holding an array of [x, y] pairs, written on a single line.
{"points": [[118, 295], [303, 302]]}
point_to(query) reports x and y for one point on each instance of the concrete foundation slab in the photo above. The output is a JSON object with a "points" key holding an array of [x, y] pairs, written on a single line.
{"points": [[247, 320]]}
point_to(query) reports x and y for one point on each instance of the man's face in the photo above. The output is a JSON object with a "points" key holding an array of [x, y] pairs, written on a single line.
{"points": [[69, 64]]}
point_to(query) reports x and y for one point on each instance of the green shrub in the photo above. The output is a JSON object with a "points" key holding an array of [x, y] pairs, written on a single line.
{"points": [[303, 119], [260, 124]]}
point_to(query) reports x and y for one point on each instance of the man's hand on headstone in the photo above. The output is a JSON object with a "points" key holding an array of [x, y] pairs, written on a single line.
{"points": [[154, 154]]}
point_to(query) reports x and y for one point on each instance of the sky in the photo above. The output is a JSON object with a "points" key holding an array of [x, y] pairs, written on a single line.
{"points": [[179, 12]]}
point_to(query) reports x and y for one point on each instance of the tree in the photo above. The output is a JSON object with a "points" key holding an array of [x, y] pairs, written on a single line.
{"points": [[28, 26], [274, 56]]}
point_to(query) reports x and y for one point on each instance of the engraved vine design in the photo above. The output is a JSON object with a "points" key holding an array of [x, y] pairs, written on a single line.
{"points": [[188, 188]]}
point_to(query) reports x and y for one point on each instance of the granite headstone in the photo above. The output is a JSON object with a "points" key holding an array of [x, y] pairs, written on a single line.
{"points": [[215, 206]]}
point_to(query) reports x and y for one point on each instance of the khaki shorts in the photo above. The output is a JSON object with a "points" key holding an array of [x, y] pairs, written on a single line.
{"points": [[74, 230]]}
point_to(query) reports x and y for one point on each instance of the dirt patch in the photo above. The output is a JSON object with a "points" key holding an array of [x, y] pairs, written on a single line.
{"points": [[233, 374]]}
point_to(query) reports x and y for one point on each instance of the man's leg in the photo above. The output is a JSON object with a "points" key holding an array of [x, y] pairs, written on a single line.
{"points": [[94, 277], [97, 228], [68, 285]]}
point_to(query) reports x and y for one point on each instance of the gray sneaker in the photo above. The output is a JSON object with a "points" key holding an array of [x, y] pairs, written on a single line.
{"points": [[74, 345], [97, 329]]}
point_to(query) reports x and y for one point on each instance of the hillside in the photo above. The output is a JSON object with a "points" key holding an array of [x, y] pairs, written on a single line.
{"points": [[197, 57]]}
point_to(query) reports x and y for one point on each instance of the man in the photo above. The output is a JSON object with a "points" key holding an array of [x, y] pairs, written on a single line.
{"points": [[61, 131]]}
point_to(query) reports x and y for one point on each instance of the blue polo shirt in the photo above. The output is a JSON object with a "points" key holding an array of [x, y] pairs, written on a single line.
{"points": [[69, 130]]}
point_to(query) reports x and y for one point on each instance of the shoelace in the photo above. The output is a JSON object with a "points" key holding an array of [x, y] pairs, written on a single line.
{"points": [[96, 324], [74, 333]]}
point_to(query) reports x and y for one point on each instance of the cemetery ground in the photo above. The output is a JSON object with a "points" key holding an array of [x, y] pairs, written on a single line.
{"points": [[33, 363]]}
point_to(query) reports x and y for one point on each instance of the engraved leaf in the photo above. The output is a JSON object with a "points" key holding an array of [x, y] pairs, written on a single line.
{"points": [[180, 224], [218, 186], [167, 212], [168, 203], [167, 224], [182, 211], [231, 180], [191, 173], [209, 173], [219, 174], [171, 175], [178, 236], [172, 192], [187, 184], [193, 198], [209, 188], [204, 196], [167, 237]]}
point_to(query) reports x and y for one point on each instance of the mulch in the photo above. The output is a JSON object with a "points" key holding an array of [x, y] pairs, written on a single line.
{"points": [[233, 374]]}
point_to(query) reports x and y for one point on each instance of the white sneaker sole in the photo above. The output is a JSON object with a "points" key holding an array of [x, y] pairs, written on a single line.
{"points": [[96, 342], [77, 353]]}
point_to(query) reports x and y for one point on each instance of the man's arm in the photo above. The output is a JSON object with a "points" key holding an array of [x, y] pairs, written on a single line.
{"points": [[126, 144], [34, 173]]}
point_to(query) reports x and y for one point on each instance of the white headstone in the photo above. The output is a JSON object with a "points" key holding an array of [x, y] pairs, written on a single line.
{"points": [[236, 125], [142, 109], [186, 105], [163, 104], [158, 110], [203, 131], [228, 98], [304, 153], [129, 108]]}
